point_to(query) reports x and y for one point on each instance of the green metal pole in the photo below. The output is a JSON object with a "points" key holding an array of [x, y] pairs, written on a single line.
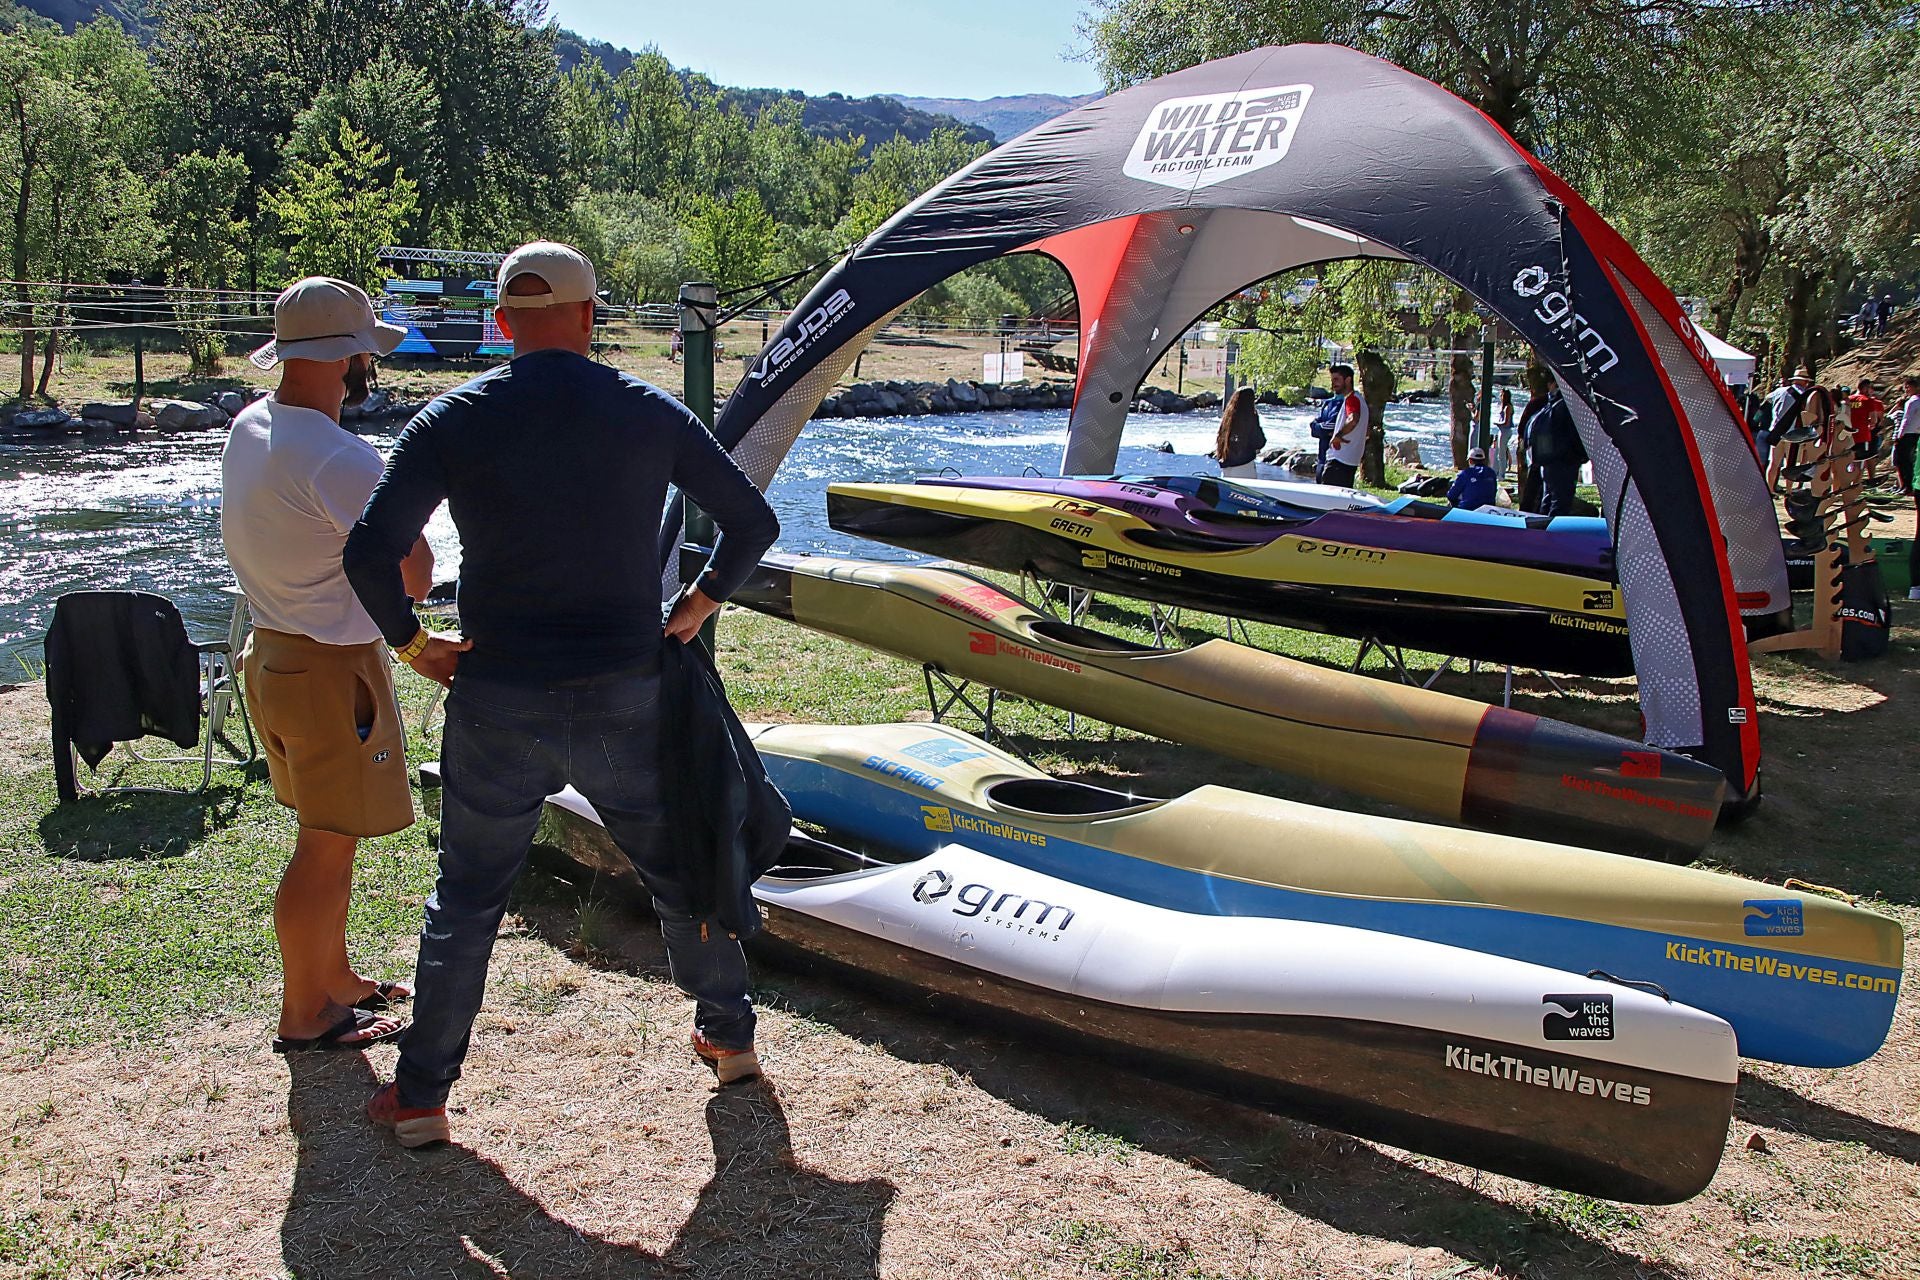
{"points": [[1485, 433], [699, 306]]}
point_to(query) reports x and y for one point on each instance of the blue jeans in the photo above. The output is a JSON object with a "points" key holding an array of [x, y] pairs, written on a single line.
{"points": [[507, 747]]}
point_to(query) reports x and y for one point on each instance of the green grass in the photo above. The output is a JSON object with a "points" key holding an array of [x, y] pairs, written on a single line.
{"points": [[1818, 1255], [1084, 1140], [1097, 1247], [81, 1243], [119, 914]]}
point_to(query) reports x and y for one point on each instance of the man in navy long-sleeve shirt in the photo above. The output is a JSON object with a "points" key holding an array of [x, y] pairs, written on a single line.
{"points": [[555, 469]]}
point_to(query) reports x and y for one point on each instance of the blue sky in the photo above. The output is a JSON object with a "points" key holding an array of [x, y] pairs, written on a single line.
{"points": [[920, 48]]}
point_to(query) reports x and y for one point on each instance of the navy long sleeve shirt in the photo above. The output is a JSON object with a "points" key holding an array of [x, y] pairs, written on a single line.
{"points": [[555, 469]]}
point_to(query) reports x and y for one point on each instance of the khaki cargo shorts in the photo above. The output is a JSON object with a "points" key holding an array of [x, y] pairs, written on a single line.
{"points": [[308, 701]]}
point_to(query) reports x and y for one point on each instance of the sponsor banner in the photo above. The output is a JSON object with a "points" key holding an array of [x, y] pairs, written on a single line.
{"points": [[1553, 306], [1193, 142], [805, 332], [1008, 367]]}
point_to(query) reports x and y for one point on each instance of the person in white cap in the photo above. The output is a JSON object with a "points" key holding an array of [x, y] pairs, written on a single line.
{"points": [[556, 469], [317, 676], [1477, 485]]}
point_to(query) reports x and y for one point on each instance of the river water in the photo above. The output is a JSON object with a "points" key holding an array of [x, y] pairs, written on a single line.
{"points": [[144, 512]]}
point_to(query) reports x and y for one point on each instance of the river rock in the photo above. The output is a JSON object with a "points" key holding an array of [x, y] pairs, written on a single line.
{"points": [[42, 419], [120, 415], [230, 402], [186, 415]]}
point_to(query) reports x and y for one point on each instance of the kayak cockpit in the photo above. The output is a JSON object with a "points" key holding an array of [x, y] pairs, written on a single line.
{"points": [[810, 858], [1058, 800]]}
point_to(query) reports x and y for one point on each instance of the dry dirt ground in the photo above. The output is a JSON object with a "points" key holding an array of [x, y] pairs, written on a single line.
{"points": [[890, 1143]]}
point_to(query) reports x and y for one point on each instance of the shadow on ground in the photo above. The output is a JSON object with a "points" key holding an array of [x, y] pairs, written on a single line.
{"points": [[362, 1205], [140, 825], [1313, 1172]]}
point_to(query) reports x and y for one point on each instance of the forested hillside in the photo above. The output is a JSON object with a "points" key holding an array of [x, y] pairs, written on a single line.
{"points": [[239, 143]]}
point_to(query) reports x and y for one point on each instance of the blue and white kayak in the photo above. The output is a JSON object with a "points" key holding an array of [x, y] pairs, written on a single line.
{"points": [[1802, 978]]}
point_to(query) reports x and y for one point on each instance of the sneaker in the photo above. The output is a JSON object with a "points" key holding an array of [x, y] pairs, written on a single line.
{"points": [[412, 1126], [729, 1065]]}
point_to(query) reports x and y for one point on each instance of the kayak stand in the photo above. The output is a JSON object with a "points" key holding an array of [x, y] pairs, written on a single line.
{"points": [[944, 693]]}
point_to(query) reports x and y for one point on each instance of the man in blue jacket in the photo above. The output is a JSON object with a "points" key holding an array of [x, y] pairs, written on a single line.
{"points": [[1477, 486], [555, 469]]}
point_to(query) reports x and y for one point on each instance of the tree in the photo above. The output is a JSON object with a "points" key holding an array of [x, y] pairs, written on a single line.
{"points": [[203, 241], [731, 242], [334, 215], [392, 103], [74, 110]]}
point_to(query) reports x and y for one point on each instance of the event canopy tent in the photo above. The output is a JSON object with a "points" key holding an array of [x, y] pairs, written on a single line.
{"points": [[1735, 365], [1164, 198]]}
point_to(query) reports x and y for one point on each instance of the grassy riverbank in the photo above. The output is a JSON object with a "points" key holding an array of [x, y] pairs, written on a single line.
{"points": [[151, 1133], [82, 375]]}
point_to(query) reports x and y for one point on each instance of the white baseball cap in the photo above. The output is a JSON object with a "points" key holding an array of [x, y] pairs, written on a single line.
{"points": [[321, 318], [568, 274]]}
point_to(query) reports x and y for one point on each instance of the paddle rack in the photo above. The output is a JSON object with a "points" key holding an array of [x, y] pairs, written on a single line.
{"points": [[1835, 516]]}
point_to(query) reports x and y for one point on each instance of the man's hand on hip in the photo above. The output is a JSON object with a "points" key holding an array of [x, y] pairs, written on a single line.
{"points": [[690, 614], [438, 661]]}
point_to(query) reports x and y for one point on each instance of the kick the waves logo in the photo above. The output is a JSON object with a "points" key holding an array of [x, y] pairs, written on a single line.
{"points": [[811, 326], [1775, 918], [1188, 143], [1577, 1017], [1518, 1070]]}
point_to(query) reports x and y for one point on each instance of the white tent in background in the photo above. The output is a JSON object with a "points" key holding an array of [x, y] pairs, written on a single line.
{"points": [[1736, 366]]}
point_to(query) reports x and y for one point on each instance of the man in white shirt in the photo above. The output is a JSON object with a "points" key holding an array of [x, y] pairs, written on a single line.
{"points": [[1349, 442], [1908, 438], [318, 682]]}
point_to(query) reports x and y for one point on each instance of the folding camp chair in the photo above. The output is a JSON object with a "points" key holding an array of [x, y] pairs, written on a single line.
{"points": [[121, 667]]}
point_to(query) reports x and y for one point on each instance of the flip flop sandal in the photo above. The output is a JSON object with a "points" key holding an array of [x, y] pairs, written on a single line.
{"points": [[334, 1036], [384, 996]]}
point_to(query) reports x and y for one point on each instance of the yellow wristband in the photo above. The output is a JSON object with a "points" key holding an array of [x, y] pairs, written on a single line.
{"points": [[414, 647]]}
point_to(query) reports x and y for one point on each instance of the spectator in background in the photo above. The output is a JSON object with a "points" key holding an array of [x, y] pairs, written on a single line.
{"points": [[1503, 442], [1865, 413], [1882, 315], [1349, 441], [1555, 445], [1237, 447], [1783, 412], [1477, 486], [1907, 442]]}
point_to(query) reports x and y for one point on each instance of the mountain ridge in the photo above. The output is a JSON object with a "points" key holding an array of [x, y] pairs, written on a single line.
{"points": [[1007, 116], [877, 117]]}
